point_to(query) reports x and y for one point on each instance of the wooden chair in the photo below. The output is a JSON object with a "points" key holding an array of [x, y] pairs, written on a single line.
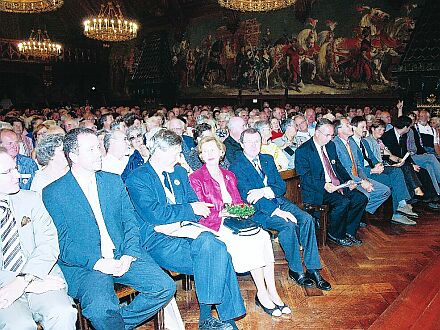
{"points": [[293, 193], [125, 294]]}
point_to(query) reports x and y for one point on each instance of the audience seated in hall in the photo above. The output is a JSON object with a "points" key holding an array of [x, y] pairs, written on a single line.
{"points": [[85, 218]]}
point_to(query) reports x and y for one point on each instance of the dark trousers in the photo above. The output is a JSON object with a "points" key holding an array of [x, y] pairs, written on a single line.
{"points": [[209, 261], [100, 304], [345, 211], [292, 235]]}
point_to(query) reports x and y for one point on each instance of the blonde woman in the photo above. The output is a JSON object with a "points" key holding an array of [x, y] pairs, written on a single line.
{"points": [[218, 186]]}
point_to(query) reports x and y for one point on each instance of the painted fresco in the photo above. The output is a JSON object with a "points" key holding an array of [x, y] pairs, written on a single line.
{"points": [[351, 51]]}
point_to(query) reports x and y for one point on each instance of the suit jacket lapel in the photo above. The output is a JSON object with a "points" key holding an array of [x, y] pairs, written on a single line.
{"points": [[316, 159], [176, 183]]}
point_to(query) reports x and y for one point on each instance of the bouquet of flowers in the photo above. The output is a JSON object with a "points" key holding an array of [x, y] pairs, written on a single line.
{"points": [[240, 210]]}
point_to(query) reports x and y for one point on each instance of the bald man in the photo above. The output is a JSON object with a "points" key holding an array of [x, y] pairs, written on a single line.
{"points": [[236, 126]]}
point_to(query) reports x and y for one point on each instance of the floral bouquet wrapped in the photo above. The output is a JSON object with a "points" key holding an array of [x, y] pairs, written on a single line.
{"points": [[238, 219], [240, 210]]}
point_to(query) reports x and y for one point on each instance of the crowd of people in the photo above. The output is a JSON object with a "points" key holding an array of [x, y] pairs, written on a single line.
{"points": [[92, 197]]}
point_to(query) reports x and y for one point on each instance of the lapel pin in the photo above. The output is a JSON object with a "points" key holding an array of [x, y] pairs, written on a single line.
{"points": [[25, 221], [176, 182]]}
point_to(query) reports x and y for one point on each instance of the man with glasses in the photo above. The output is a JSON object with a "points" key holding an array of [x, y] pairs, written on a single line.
{"points": [[321, 173], [31, 284], [260, 184], [26, 165]]}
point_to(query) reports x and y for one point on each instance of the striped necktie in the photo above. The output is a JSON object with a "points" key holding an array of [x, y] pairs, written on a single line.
{"points": [[13, 257], [256, 164]]}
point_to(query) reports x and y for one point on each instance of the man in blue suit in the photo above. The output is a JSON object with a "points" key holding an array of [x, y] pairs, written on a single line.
{"points": [[162, 196], [376, 192], [259, 183], [99, 240], [320, 171]]}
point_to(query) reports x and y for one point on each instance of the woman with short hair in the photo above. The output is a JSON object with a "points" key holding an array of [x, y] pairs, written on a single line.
{"points": [[50, 156], [218, 186]]}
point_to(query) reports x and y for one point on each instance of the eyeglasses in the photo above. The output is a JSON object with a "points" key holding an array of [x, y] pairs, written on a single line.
{"points": [[131, 138], [326, 135], [252, 142], [11, 170]]}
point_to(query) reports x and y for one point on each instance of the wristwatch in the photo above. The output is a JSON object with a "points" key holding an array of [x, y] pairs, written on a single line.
{"points": [[28, 278]]}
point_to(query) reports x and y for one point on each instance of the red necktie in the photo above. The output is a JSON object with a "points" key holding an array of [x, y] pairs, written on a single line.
{"points": [[329, 170]]}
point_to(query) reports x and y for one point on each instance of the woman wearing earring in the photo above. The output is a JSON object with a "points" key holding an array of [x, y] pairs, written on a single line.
{"points": [[218, 186]]}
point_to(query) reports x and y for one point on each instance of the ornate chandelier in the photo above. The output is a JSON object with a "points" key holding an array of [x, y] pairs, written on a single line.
{"points": [[256, 5], [110, 25], [30, 6], [39, 45]]}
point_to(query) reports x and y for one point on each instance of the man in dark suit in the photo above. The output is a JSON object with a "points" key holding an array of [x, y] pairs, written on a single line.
{"points": [[396, 141], [163, 198], [260, 184], [320, 171], [99, 240]]}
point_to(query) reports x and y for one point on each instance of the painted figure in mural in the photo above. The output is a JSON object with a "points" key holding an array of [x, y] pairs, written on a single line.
{"points": [[266, 65], [361, 70], [291, 52], [215, 72], [327, 64], [242, 65], [307, 40], [190, 68], [230, 60]]}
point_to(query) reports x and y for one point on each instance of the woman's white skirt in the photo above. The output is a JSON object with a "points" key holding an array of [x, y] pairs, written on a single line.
{"points": [[247, 252]]}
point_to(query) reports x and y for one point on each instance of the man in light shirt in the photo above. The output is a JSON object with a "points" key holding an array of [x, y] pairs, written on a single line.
{"points": [[116, 144], [99, 240]]}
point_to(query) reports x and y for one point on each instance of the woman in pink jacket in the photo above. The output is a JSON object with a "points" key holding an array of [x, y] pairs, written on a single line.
{"points": [[218, 186]]}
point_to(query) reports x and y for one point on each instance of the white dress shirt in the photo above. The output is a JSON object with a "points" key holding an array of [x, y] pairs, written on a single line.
{"points": [[89, 187], [113, 165], [327, 175]]}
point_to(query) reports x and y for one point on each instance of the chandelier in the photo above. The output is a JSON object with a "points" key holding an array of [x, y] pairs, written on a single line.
{"points": [[110, 25], [39, 45], [30, 6], [256, 5]]}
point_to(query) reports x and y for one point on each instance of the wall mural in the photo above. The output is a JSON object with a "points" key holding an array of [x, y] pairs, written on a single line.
{"points": [[348, 51]]}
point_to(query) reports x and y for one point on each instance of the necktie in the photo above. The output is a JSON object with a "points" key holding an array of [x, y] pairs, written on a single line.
{"points": [[354, 170], [13, 257], [166, 181], [258, 168], [364, 153], [329, 169]]}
